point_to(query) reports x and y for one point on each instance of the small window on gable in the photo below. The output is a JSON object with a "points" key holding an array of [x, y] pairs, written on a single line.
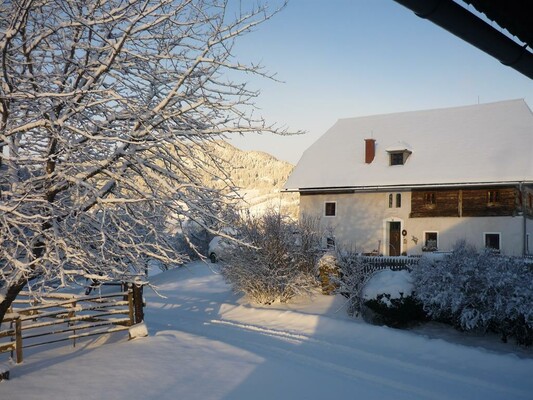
{"points": [[399, 153], [330, 209], [493, 197], [493, 242], [398, 200], [396, 158]]}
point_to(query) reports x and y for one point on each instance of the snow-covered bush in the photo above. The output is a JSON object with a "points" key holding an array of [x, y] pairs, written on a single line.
{"points": [[274, 260], [353, 277], [478, 291], [389, 299], [328, 273]]}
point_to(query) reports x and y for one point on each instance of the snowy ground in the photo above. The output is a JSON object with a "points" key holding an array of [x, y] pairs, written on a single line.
{"points": [[206, 343]]}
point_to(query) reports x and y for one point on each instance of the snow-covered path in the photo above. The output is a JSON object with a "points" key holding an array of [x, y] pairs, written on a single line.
{"points": [[205, 343]]}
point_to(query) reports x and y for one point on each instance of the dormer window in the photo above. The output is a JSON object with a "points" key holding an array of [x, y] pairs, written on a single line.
{"points": [[399, 153], [396, 159]]}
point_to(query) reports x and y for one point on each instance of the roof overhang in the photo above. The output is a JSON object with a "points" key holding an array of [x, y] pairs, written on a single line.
{"points": [[406, 187], [514, 15]]}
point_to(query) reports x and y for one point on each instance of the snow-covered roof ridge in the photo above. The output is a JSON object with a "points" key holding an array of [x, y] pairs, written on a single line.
{"points": [[475, 144]]}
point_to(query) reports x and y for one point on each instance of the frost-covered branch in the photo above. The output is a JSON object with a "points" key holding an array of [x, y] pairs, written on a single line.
{"points": [[106, 108]]}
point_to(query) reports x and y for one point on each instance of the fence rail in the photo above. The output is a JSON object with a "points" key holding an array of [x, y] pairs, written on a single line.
{"points": [[377, 263], [59, 317]]}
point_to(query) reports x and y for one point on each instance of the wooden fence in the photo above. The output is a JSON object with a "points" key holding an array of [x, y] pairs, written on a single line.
{"points": [[376, 263], [58, 317]]}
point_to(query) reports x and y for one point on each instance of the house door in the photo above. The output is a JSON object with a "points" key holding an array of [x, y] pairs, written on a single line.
{"points": [[394, 238]]}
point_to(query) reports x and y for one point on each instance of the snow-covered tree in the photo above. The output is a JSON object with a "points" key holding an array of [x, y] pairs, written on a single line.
{"points": [[103, 106], [275, 259]]}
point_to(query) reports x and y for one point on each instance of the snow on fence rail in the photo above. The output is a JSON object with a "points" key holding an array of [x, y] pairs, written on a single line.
{"points": [[376, 263], [58, 317]]}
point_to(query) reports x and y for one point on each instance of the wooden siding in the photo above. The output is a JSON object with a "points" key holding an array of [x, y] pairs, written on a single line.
{"points": [[475, 202], [446, 203], [466, 203]]}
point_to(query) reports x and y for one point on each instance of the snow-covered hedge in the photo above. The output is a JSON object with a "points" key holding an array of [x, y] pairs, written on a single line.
{"points": [[389, 299], [478, 291], [277, 261]]}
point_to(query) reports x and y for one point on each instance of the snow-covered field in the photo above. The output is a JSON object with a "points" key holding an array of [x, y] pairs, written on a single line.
{"points": [[207, 343]]}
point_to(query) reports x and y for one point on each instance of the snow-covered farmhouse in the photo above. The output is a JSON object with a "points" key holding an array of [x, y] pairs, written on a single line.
{"points": [[420, 181]]}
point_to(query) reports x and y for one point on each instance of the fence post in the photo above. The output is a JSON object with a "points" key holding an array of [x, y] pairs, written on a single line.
{"points": [[130, 305], [18, 339], [72, 314], [138, 302]]}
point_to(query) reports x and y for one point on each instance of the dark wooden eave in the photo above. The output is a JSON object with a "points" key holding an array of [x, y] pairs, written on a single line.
{"points": [[514, 15]]}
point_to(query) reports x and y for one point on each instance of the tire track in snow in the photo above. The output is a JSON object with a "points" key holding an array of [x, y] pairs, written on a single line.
{"points": [[297, 338]]}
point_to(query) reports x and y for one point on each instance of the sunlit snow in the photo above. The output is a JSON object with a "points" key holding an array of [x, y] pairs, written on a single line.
{"points": [[207, 343]]}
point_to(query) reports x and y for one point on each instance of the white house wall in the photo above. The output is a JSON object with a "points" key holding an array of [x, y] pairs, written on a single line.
{"points": [[529, 231], [360, 224]]}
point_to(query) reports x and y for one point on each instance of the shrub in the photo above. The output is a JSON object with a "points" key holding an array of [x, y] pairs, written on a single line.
{"points": [[478, 292], [389, 300], [395, 312], [328, 273], [274, 259], [351, 279]]}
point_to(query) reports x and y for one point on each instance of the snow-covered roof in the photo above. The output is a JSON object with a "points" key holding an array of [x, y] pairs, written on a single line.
{"points": [[487, 143]]}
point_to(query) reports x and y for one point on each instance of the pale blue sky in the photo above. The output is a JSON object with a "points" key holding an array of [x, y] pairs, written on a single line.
{"points": [[343, 58]]}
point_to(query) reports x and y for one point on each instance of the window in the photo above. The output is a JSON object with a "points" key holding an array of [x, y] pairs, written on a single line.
{"points": [[492, 241], [396, 158], [431, 241], [530, 200], [429, 199], [493, 197], [398, 200], [330, 209], [330, 243], [527, 244]]}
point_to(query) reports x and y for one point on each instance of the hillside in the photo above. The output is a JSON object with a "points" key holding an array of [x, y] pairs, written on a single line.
{"points": [[258, 176]]}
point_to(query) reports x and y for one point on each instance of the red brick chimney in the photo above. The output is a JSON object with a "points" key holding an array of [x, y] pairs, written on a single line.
{"points": [[370, 150]]}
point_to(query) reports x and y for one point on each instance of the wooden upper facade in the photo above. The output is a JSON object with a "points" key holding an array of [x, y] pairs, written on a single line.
{"points": [[472, 202]]}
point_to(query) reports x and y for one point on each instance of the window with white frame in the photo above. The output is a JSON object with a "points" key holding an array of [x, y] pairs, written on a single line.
{"points": [[431, 241], [493, 241], [330, 208], [397, 197]]}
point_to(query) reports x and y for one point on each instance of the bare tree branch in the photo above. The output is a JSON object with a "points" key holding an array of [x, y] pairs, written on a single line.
{"points": [[105, 108]]}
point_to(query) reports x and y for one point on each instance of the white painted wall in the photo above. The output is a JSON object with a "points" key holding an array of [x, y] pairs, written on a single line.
{"points": [[361, 220], [529, 230]]}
